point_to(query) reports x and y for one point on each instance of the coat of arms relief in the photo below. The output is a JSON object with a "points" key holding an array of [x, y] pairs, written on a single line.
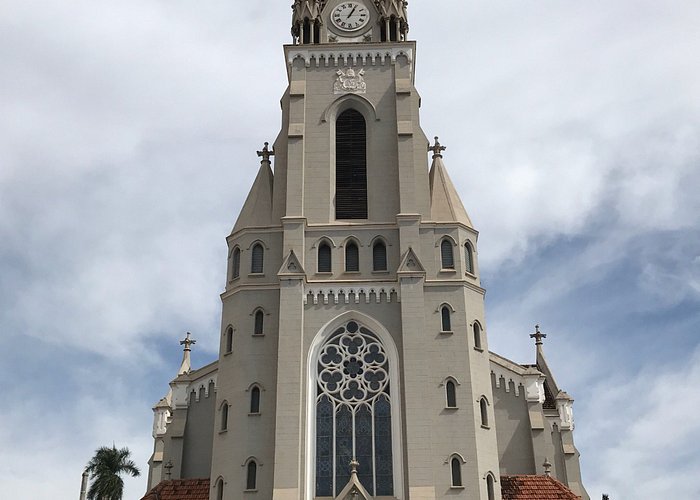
{"points": [[350, 81]]}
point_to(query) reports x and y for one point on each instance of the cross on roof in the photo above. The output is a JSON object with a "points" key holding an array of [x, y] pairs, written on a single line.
{"points": [[437, 148], [187, 342], [538, 336], [266, 153]]}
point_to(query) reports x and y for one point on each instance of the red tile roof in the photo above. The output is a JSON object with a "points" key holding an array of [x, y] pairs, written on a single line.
{"points": [[180, 489], [535, 488]]}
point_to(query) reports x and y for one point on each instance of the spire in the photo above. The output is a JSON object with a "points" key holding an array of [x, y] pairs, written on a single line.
{"points": [[538, 336], [547, 467], [541, 362], [445, 204], [257, 209], [186, 365]]}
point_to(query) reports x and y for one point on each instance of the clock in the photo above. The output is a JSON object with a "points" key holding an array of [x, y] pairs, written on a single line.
{"points": [[350, 16]]}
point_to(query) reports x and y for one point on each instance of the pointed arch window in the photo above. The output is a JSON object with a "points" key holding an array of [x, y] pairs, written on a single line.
{"points": [[255, 400], [353, 412], [477, 335], [256, 262], [229, 340], [451, 394], [483, 406], [220, 489], [350, 166], [352, 257], [324, 258], [235, 263], [469, 257], [259, 322], [224, 416], [456, 472], [489, 487], [445, 320], [446, 254], [379, 256], [251, 480]]}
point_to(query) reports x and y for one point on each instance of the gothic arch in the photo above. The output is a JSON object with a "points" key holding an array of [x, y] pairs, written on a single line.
{"points": [[348, 101], [323, 335], [324, 239]]}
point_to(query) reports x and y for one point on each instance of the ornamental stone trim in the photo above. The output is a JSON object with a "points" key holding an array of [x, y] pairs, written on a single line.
{"points": [[346, 294]]}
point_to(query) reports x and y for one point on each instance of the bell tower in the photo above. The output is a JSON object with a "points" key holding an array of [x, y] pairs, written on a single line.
{"points": [[353, 358]]}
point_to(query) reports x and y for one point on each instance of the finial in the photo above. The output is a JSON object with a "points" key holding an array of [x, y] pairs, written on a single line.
{"points": [[437, 148], [538, 336], [547, 467], [266, 153], [187, 342], [606, 496], [354, 464], [167, 467]]}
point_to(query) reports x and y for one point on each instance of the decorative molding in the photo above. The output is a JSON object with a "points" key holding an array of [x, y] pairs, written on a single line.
{"points": [[346, 293], [348, 56], [507, 378]]}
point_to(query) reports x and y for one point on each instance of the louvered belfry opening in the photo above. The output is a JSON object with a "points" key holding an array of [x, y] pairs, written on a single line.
{"points": [[350, 166]]}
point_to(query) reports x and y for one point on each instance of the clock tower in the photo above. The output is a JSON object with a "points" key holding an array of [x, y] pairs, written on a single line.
{"points": [[354, 359]]}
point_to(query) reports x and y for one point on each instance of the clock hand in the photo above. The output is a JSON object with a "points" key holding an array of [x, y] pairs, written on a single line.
{"points": [[351, 12]]}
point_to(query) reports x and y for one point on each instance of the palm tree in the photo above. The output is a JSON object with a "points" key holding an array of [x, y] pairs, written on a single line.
{"points": [[105, 469]]}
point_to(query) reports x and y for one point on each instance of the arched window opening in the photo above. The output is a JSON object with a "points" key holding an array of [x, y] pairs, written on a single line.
{"points": [[393, 29], [446, 324], [489, 487], [379, 256], [224, 416], [448, 261], [255, 400], [236, 263], [483, 404], [229, 339], [352, 257], [456, 466], [256, 262], [382, 28], [350, 166], [353, 412], [259, 322], [307, 31], [324, 258], [251, 476], [220, 489], [469, 257], [451, 391], [317, 32], [477, 335]]}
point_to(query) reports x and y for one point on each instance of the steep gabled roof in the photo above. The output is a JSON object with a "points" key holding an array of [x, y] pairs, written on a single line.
{"points": [[528, 487], [445, 203], [180, 489], [257, 209]]}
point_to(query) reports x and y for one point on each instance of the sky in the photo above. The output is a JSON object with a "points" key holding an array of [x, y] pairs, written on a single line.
{"points": [[128, 133]]}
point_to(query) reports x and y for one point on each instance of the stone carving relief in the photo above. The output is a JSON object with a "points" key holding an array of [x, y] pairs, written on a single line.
{"points": [[350, 81]]}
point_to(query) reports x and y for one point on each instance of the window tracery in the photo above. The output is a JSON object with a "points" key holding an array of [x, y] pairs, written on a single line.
{"points": [[353, 412]]}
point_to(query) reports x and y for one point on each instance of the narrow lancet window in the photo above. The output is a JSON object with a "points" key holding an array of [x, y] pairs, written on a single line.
{"points": [[489, 487], [352, 257], [255, 400], [324, 258], [229, 339], [451, 394], [446, 324], [477, 335], [484, 412], [256, 263], [220, 489], [448, 261], [224, 416], [379, 256], [350, 166], [456, 466], [251, 476], [469, 257], [259, 322], [236, 263]]}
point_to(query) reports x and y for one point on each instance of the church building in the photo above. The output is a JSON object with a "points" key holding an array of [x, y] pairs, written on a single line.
{"points": [[354, 358]]}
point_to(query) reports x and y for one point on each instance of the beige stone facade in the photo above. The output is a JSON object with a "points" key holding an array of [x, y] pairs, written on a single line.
{"points": [[452, 402]]}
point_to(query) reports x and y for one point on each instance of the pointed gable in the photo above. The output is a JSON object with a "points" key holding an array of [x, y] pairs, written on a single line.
{"points": [[180, 489], [257, 209], [445, 204], [411, 264], [291, 267]]}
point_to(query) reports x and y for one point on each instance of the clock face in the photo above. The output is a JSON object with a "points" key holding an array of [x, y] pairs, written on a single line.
{"points": [[350, 16]]}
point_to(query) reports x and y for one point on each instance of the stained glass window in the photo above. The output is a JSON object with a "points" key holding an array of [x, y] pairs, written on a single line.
{"points": [[353, 412]]}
